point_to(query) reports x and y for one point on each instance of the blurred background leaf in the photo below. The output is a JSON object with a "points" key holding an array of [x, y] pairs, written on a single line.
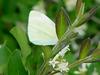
{"points": [[15, 66], [85, 47], [15, 13], [63, 22], [4, 57]]}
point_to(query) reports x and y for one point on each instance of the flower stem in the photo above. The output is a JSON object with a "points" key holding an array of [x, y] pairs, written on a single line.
{"points": [[79, 62]]}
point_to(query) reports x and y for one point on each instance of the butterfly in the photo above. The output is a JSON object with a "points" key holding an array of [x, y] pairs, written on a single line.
{"points": [[41, 29]]}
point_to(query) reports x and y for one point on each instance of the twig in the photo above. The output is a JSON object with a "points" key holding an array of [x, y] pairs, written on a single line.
{"points": [[95, 19]]}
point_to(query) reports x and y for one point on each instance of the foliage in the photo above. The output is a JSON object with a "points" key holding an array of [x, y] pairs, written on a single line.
{"points": [[20, 57]]}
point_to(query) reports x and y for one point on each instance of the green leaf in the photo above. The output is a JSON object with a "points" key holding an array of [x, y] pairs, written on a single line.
{"points": [[82, 18], [78, 5], [22, 40], [10, 42], [34, 60], [81, 11], [87, 16], [15, 66], [70, 57], [62, 22], [84, 48], [80, 14], [94, 56], [96, 53], [46, 52], [4, 56]]}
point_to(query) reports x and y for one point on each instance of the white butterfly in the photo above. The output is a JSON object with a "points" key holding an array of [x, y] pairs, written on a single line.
{"points": [[41, 30]]}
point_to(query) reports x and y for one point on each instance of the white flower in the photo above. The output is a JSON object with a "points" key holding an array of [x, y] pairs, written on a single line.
{"points": [[75, 46], [53, 63], [62, 67], [95, 72], [81, 30], [82, 68], [63, 51], [70, 4]]}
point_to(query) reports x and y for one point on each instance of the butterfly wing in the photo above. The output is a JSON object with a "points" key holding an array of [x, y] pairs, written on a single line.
{"points": [[41, 30]]}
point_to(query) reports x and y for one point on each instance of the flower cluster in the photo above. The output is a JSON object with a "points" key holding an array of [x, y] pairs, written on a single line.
{"points": [[60, 64]]}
